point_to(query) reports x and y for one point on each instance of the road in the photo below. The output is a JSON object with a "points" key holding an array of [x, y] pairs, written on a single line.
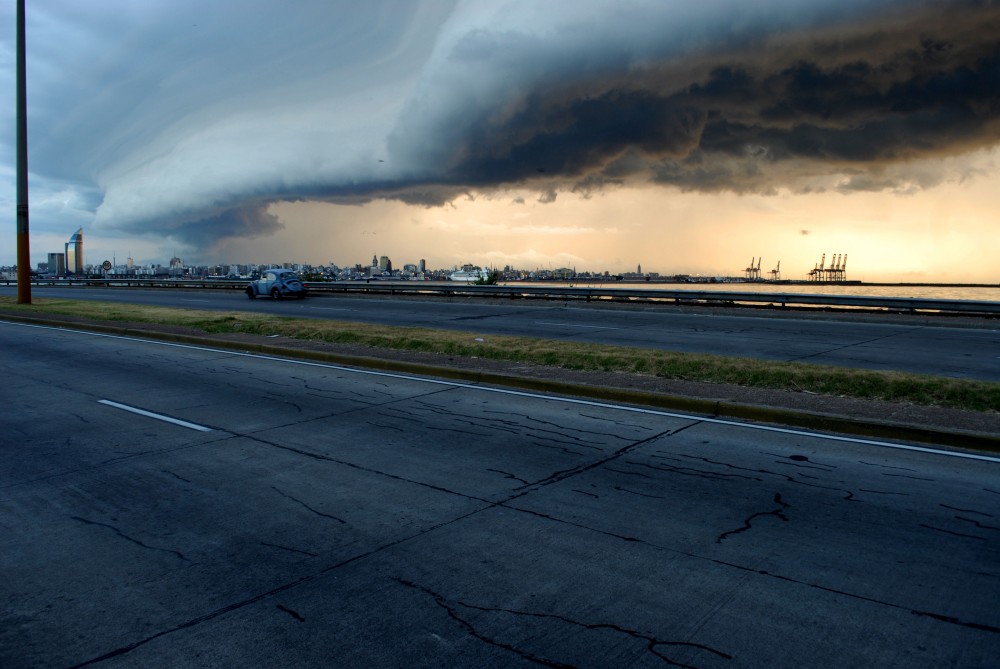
{"points": [[919, 346], [267, 512]]}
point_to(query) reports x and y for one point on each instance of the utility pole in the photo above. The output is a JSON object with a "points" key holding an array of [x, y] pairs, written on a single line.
{"points": [[23, 253]]}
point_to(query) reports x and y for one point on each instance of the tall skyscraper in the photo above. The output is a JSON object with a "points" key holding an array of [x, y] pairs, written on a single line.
{"points": [[74, 253]]}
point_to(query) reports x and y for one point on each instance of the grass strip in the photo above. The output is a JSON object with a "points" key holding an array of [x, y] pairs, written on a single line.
{"points": [[822, 379]]}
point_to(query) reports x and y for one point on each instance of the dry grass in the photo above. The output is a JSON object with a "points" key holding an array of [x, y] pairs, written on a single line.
{"points": [[890, 386]]}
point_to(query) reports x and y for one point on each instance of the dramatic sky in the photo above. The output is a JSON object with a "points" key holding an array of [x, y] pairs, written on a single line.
{"points": [[597, 134]]}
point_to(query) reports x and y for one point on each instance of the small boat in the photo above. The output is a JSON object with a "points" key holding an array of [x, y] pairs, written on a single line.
{"points": [[470, 274]]}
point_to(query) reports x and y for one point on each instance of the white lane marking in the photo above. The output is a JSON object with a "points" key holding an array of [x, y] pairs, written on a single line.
{"points": [[519, 393], [150, 414], [566, 325], [331, 309]]}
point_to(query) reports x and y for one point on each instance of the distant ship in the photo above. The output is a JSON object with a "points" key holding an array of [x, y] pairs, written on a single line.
{"points": [[470, 274]]}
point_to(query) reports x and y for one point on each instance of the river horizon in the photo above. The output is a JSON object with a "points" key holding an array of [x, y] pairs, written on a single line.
{"points": [[936, 291]]}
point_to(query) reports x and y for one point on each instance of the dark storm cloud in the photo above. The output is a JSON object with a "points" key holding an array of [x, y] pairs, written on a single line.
{"points": [[245, 222], [881, 87], [571, 138]]}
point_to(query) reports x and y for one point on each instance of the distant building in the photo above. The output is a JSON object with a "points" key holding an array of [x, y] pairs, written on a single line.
{"points": [[422, 266], [384, 264], [74, 253], [57, 264]]}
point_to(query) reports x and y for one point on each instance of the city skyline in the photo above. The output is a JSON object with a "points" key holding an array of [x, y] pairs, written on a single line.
{"points": [[688, 139], [72, 262]]}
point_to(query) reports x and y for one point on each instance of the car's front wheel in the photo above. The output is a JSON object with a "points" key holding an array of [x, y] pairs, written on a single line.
{"points": [[251, 293]]}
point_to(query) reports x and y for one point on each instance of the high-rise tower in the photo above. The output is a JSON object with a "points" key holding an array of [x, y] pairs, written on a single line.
{"points": [[74, 253]]}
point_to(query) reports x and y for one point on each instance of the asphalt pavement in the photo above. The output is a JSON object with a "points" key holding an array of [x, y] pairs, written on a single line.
{"points": [[174, 505]]}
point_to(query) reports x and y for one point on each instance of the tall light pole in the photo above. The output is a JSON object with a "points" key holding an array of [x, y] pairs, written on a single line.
{"points": [[23, 253]]}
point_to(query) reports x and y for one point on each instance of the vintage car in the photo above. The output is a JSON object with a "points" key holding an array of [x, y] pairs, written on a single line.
{"points": [[278, 283]]}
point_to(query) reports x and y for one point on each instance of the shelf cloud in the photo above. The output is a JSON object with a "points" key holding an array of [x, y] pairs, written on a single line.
{"points": [[721, 98], [190, 122]]}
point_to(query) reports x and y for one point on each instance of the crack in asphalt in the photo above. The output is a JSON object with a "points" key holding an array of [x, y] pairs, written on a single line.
{"points": [[128, 538], [235, 606], [689, 471], [978, 524], [978, 513], [290, 612], [652, 642], [563, 429], [508, 475], [370, 470], [884, 492], [480, 317], [567, 473], [486, 424], [857, 343], [176, 476], [453, 614], [303, 504], [289, 549], [218, 436], [561, 449], [912, 478], [514, 426], [954, 534], [760, 572], [884, 466], [637, 493], [339, 414], [383, 426], [620, 423], [747, 524], [788, 478]]}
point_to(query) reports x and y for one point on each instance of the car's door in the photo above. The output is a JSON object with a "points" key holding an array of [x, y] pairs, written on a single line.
{"points": [[266, 282]]}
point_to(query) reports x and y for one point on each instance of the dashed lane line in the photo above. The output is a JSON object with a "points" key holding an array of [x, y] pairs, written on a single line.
{"points": [[157, 416]]}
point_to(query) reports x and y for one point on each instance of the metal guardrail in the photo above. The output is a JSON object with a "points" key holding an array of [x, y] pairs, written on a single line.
{"points": [[561, 292]]}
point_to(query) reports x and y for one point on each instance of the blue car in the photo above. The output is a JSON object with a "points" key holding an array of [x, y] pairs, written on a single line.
{"points": [[278, 283]]}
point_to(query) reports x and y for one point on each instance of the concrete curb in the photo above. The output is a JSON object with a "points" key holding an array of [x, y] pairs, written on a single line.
{"points": [[709, 408]]}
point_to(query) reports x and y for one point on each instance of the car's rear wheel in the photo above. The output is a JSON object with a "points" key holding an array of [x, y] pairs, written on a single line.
{"points": [[275, 293]]}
